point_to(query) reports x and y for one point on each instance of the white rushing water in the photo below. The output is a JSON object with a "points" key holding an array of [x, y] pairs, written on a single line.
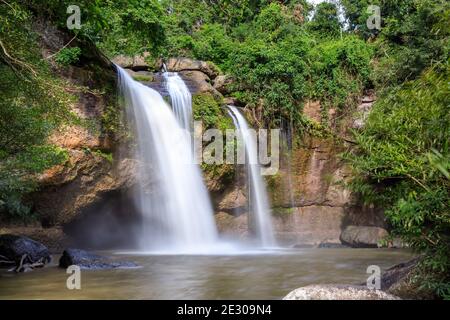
{"points": [[181, 99], [174, 203], [259, 204]]}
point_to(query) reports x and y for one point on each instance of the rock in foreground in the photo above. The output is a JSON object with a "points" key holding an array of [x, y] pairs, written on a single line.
{"points": [[22, 252], [338, 292], [89, 261], [363, 237]]}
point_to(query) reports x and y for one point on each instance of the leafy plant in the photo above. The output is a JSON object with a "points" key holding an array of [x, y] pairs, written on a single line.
{"points": [[68, 56]]}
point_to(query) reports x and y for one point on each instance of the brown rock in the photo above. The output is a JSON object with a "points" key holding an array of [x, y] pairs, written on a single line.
{"points": [[136, 63], [69, 189], [199, 82], [221, 83], [228, 224], [233, 200], [123, 61], [309, 225], [363, 237], [186, 64], [312, 110]]}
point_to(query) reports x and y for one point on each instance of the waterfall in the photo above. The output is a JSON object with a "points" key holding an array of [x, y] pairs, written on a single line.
{"points": [[173, 200], [181, 99], [259, 204]]}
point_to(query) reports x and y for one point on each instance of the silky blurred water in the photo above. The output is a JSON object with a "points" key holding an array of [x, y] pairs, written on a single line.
{"points": [[249, 275]]}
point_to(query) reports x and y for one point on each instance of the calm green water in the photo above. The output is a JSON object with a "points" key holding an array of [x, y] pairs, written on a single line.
{"points": [[255, 275]]}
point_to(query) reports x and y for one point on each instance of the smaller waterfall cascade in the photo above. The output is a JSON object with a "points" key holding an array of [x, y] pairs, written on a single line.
{"points": [[181, 99], [259, 204]]}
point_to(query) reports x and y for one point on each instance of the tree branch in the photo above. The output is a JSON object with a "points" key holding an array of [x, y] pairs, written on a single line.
{"points": [[16, 61]]}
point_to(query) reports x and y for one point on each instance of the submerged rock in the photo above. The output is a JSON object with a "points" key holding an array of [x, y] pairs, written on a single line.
{"points": [[363, 237], [331, 245], [22, 253], [89, 261], [338, 292]]}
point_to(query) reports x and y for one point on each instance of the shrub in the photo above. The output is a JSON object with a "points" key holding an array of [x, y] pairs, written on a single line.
{"points": [[68, 56]]}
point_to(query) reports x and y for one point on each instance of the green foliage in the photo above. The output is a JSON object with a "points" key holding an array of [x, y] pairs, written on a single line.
{"points": [[68, 56], [33, 104], [205, 108], [133, 27], [106, 155], [123, 26], [325, 21], [339, 70], [211, 43], [403, 161], [271, 76], [414, 34]]}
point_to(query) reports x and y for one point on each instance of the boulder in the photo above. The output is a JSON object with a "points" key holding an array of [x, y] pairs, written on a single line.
{"points": [[338, 292], [363, 237], [231, 101], [136, 63], [22, 252], [186, 64], [89, 261], [123, 61], [221, 83], [199, 82]]}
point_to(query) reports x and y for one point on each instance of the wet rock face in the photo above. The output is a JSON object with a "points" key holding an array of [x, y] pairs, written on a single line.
{"points": [[338, 292], [232, 225], [69, 189], [22, 252], [363, 237], [89, 261], [310, 225]]}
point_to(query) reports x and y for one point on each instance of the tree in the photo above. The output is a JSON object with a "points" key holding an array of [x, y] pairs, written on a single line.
{"points": [[326, 20]]}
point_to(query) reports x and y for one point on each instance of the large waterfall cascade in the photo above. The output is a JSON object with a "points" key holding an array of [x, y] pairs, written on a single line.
{"points": [[259, 204], [176, 211]]}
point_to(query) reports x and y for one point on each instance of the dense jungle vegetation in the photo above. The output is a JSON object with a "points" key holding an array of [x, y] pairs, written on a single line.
{"points": [[280, 55]]}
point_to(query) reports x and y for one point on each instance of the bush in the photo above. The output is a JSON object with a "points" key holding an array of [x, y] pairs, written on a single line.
{"points": [[205, 108], [403, 164], [68, 56]]}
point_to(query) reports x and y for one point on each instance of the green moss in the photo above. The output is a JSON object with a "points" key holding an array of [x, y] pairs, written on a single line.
{"points": [[281, 211], [112, 122], [143, 78], [106, 155]]}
